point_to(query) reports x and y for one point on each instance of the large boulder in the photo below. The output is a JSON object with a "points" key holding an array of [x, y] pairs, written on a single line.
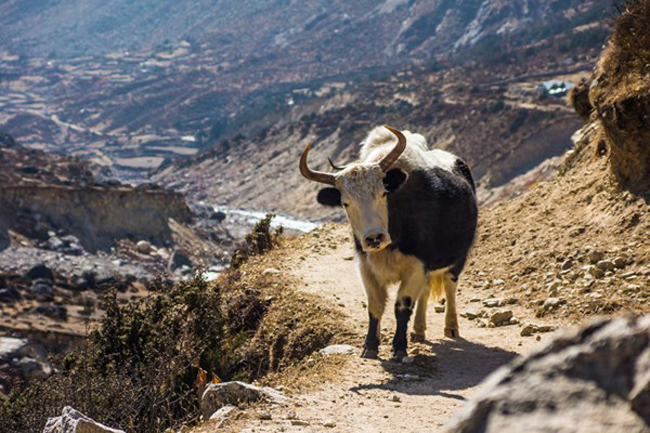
{"points": [[593, 379], [73, 421]]}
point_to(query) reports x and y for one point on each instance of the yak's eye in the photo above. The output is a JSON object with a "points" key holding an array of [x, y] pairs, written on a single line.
{"points": [[384, 194], [345, 205]]}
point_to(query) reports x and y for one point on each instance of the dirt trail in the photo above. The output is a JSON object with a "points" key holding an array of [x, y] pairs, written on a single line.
{"points": [[380, 395]]}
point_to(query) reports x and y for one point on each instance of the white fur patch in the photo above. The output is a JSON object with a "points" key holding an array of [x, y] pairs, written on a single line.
{"points": [[417, 154]]}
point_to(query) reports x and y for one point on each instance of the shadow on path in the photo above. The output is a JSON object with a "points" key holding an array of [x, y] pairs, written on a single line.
{"points": [[456, 366]]}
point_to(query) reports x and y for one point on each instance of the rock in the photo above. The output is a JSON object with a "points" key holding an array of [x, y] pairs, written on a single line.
{"points": [[177, 260], [218, 216], [593, 379], [338, 349], [408, 360], [470, 314], [218, 395], [32, 368], [11, 347], [73, 421], [396, 399], [528, 330], [270, 271], [299, 422], [492, 302], [501, 318], [40, 271], [439, 308], [55, 244], [329, 424], [552, 303], [619, 262], [566, 265], [9, 295], [605, 265], [264, 416], [56, 312], [594, 271], [143, 247], [41, 288], [595, 256], [222, 414]]}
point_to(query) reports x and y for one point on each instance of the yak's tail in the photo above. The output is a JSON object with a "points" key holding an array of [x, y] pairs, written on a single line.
{"points": [[437, 285]]}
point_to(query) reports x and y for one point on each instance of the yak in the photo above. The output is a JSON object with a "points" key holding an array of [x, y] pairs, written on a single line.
{"points": [[413, 213]]}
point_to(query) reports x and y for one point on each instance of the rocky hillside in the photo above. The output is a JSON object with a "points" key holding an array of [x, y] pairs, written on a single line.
{"points": [[503, 129], [87, 81], [67, 237], [269, 29]]}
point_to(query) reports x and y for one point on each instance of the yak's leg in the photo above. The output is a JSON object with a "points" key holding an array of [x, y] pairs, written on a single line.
{"points": [[376, 295], [410, 290], [420, 322], [451, 319]]}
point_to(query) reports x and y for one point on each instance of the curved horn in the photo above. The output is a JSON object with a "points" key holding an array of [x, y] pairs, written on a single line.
{"points": [[334, 166], [310, 174], [392, 156]]}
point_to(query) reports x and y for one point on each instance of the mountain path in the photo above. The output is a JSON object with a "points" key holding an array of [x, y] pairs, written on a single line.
{"points": [[381, 395]]}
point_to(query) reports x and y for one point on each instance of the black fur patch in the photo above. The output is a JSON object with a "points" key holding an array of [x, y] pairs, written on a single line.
{"points": [[433, 216], [329, 197], [461, 168], [357, 246], [402, 317], [394, 178], [372, 338]]}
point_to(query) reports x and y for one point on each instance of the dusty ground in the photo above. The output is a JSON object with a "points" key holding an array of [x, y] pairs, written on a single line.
{"points": [[350, 394]]}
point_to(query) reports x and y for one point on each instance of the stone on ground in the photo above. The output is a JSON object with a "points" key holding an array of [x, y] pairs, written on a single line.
{"points": [[593, 379], [218, 395], [73, 421], [338, 349]]}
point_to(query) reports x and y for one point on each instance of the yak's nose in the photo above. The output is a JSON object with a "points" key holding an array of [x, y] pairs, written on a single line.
{"points": [[373, 241]]}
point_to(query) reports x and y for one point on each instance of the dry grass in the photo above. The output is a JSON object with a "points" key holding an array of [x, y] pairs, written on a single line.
{"points": [[621, 96]]}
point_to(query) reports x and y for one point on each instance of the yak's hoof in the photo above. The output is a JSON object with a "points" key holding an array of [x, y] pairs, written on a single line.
{"points": [[397, 356], [452, 333], [418, 337], [369, 353]]}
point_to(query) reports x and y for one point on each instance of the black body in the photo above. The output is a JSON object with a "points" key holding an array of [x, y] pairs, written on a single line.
{"points": [[433, 216]]}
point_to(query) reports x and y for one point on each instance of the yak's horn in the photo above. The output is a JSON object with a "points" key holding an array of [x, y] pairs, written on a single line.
{"points": [[334, 166], [310, 174], [392, 156]]}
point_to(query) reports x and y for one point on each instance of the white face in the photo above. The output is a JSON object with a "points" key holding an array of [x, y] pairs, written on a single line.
{"points": [[363, 197]]}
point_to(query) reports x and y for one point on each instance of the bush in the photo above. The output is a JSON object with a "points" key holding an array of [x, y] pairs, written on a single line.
{"points": [[260, 240], [137, 369]]}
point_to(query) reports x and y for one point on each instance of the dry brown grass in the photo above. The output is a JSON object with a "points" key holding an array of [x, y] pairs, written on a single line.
{"points": [[621, 96]]}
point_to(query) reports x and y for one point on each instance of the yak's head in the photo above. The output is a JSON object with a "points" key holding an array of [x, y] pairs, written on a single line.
{"points": [[362, 189]]}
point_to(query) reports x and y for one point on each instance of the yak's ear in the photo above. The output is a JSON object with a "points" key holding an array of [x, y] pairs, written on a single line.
{"points": [[394, 178], [329, 197]]}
